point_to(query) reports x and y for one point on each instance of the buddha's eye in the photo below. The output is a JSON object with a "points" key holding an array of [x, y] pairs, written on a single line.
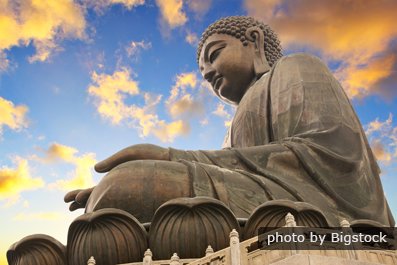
{"points": [[215, 54]]}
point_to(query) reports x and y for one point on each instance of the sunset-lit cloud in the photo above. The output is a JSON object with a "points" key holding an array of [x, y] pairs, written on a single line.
{"points": [[110, 93], [4, 62], [42, 24], [383, 139], [134, 47], [40, 216], [192, 38], [186, 105], [82, 175], [13, 181], [14, 117], [200, 7], [100, 5], [172, 13], [380, 152], [225, 114], [359, 34], [183, 81], [185, 99], [128, 3]]}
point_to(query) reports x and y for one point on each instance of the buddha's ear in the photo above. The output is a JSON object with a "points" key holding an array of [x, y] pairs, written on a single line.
{"points": [[261, 65]]}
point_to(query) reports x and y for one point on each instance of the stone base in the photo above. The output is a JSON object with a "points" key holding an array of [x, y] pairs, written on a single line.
{"points": [[304, 259]]}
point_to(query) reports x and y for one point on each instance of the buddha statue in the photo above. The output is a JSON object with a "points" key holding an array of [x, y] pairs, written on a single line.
{"points": [[295, 144], [294, 136]]}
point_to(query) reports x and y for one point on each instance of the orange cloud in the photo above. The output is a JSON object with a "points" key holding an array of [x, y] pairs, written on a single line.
{"points": [[183, 81], [12, 116], [182, 102], [111, 90], [223, 113], [185, 106], [379, 150], [41, 23], [192, 38], [13, 181], [4, 62], [355, 33], [383, 139], [171, 12], [135, 47], [82, 175], [40, 216], [110, 93], [128, 3], [199, 7], [100, 5]]}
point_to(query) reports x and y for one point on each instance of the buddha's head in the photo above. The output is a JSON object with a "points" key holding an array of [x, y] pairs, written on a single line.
{"points": [[234, 52]]}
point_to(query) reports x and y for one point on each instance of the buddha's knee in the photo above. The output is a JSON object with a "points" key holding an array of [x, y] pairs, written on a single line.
{"points": [[140, 187]]}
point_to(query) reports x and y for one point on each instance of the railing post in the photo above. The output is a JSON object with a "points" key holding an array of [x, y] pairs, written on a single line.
{"points": [[209, 251], [234, 248], [175, 260], [147, 257], [91, 261], [290, 220]]}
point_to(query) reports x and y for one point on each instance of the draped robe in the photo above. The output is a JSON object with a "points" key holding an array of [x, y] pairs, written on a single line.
{"points": [[294, 136]]}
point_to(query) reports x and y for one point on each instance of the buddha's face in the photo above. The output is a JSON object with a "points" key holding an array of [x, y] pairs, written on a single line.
{"points": [[228, 66]]}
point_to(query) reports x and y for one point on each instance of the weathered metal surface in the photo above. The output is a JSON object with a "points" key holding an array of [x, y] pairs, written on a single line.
{"points": [[188, 225], [37, 250], [110, 235]]}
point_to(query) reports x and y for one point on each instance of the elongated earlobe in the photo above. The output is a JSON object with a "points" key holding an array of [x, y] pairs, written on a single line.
{"points": [[255, 34]]}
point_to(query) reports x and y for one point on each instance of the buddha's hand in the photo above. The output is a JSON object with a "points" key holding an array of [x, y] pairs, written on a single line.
{"points": [[78, 198], [131, 153]]}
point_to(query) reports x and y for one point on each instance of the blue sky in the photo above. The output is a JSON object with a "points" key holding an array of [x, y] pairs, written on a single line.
{"points": [[79, 80]]}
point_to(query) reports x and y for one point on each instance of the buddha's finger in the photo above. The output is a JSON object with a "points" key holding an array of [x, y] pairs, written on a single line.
{"points": [[74, 206], [83, 196], [71, 195], [125, 155]]}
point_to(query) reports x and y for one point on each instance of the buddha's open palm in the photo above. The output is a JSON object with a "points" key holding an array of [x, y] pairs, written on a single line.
{"points": [[80, 197]]}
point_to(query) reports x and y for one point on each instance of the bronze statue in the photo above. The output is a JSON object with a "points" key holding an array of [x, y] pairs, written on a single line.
{"points": [[295, 145], [295, 136]]}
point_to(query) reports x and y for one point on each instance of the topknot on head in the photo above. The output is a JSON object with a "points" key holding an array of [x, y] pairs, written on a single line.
{"points": [[236, 26]]}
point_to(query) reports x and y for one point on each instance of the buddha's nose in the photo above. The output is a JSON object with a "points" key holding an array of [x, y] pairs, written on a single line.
{"points": [[208, 73]]}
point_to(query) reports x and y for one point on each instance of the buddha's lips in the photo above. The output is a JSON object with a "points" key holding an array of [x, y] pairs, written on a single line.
{"points": [[216, 82]]}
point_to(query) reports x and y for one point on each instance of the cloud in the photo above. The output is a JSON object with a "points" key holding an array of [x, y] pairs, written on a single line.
{"points": [[60, 152], [40, 23], [183, 81], [383, 138], [185, 100], [14, 181], [82, 175], [134, 47], [111, 92], [223, 113], [12, 116], [379, 150], [129, 4], [100, 5], [172, 13], [357, 34], [4, 62], [192, 38], [185, 106], [200, 7], [40, 216]]}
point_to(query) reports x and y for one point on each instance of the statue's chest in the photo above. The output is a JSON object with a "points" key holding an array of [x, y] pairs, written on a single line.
{"points": [[250, 126]]}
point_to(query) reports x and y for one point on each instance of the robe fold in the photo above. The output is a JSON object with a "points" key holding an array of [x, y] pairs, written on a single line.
{"points": [[294, 136]]}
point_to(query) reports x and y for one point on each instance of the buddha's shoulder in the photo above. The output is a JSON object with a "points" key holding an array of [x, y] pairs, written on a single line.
{"points": [[299, 60]]}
